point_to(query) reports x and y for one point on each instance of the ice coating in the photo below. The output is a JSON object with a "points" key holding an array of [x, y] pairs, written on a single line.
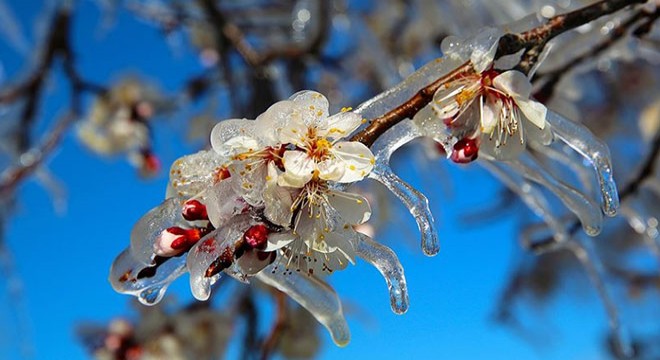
{"points": [[207, 250], [549, 153], [315, 296], [430, 72], [593, 149], [127, 276], [530, 195], [586, 210], [192, 174], [414, 200], [386, 261], [149, 227]]}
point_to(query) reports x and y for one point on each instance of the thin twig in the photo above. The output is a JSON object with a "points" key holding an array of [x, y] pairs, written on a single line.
{"points": [[535, 38]]}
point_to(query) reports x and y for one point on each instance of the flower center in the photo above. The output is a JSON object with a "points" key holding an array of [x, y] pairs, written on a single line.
{"points": [[319, 149]]}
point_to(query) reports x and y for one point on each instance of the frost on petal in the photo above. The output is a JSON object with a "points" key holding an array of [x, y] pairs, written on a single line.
{"points": [[270, 123], [148, 283], [354, 209], [298, 169], [147, 230], [251, 182], [340, 125], [227, 130], [312, 107], [277, 202], [315, 296], [513, 83], [357, 159], [238, 145], [222, 202], [192, 174], [534, 111], [387, 263], [214, 251]]}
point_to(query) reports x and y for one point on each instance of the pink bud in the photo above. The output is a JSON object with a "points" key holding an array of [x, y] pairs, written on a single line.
{"points": [[465, 150], [175, 240], [194, 210]]}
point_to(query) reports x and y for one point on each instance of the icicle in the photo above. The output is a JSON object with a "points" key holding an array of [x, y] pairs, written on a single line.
{"points": [[561, 157], [580, 205], [386, 261], [585, 253], [315, 296], [150, 226], [415, 201], [149, 284], [530, 195], [593, 149]]}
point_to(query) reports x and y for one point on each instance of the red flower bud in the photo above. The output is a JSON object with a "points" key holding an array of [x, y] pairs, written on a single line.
{"points": [[194, 210], [256, 236]]}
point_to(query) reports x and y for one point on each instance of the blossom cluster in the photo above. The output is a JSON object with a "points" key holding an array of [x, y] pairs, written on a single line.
{"points": [[269, 200], [118, 123]]}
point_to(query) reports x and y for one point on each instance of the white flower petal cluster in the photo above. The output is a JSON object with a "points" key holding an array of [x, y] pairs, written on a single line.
{"points": [[488, 111], [268, 200], [290, 160]]}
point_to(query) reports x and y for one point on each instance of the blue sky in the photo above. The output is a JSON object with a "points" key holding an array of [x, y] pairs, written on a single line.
{"points": [[63, 259]]}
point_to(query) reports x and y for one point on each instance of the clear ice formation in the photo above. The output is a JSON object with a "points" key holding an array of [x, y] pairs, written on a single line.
{"points": [[414, 200], [594, 150], [386, 261], [314, 295]]}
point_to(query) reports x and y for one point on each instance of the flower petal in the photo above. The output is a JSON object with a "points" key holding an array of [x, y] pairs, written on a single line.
{"points": [[490, 113], [192, 174], [340, 125], [298, 169], [279, 240], [482, 56], [513, 83], [223, 202], [356, 158], [294, 131], [228, 129], [270, 123], [312, 106], [534, 111], [354, 209], [277, 200]]}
